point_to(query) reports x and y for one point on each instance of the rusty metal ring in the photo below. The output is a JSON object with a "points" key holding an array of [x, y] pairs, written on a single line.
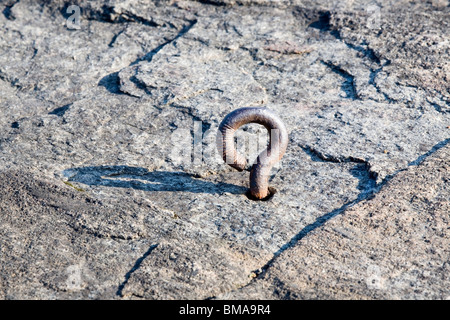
{"points": [[260, 170]]}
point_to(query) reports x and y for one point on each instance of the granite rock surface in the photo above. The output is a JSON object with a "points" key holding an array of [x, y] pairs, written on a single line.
{"points": [[112, 187]]}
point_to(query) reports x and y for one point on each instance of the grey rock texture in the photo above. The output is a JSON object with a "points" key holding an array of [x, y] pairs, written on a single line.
{"points": [[112, 187], [393, 245]]}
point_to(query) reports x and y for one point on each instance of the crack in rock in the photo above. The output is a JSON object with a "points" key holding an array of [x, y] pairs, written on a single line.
{"points": [[330, 158], [114, 38], [148, 57], [7, 11], [349, 84], [135, 267], [108, 14], [61, 110]]}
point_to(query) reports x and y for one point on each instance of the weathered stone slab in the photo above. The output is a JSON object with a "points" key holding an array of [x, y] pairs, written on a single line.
{"points": [[107, 135], [391, 246]]}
